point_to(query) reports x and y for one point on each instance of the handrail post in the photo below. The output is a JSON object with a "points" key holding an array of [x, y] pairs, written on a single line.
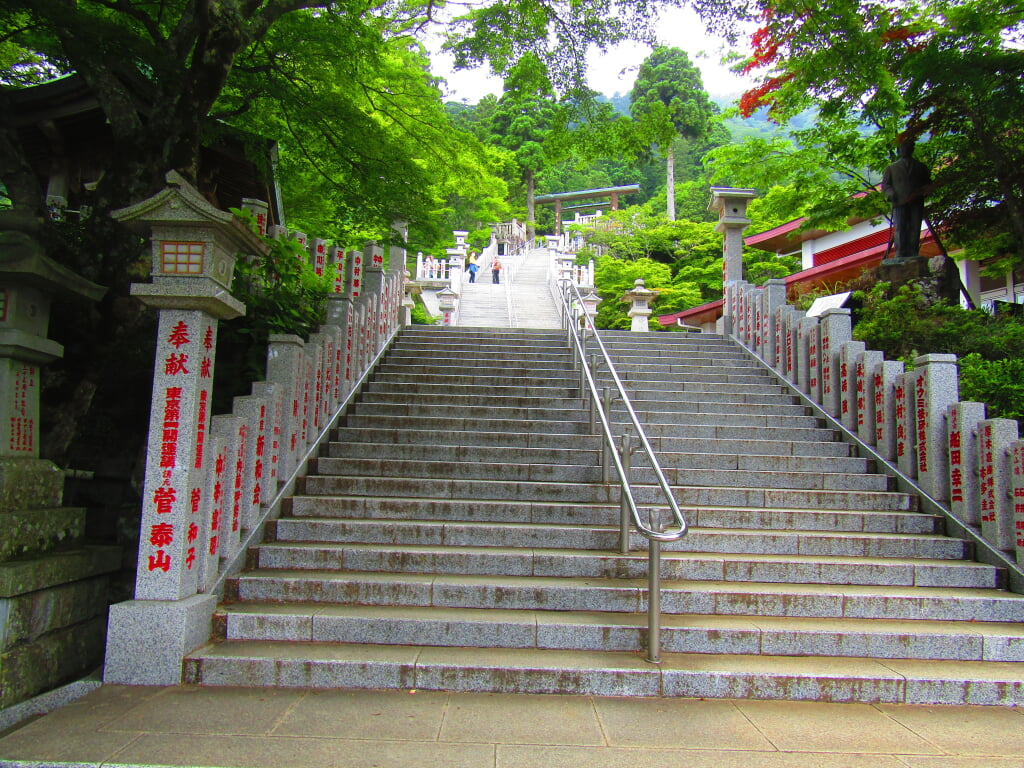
{"points": [[654, 593], [623, 506], [606, 467]]}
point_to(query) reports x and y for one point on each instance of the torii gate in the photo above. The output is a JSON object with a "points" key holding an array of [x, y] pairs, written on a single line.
{"points": [[587, 194]]}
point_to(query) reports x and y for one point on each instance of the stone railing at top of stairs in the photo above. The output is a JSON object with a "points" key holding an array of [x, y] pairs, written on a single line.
{"points": [[966, 466], [213, 481]]}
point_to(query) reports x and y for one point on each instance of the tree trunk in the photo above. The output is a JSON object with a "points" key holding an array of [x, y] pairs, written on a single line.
{"points": [[531, 220], [670, 182]]}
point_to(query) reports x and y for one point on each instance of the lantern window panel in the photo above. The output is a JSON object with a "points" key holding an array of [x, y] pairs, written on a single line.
{"points": [[178, 258]]}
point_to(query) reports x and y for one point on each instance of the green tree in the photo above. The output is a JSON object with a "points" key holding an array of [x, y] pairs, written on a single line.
{"points": [[668, 100], [876, 72], [522, 122]]}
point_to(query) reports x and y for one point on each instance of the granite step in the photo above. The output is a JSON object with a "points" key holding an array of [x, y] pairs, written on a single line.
{"points": [[471, 488], [618, 595], [478, 467], [623, 673], [594, 631], [505, 536], [563, 512], [708, 564], [503, 454]]}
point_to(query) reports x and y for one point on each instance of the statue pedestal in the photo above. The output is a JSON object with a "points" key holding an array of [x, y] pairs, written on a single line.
{"points": [[900, 271], [937, 277]]}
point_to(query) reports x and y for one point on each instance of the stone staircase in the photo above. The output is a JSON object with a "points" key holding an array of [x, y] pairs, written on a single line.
{"points": [[455, 534], [532, 302]]}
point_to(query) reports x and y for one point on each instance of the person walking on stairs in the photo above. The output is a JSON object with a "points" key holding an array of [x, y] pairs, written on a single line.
{"points": [[495, 270], [473, 266]]}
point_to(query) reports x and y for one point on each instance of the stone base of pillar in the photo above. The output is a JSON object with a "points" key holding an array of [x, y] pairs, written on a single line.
{"points": [[148, 639], [30, 483]]}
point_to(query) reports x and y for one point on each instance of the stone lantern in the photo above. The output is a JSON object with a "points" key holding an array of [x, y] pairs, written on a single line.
{"points": [[411, 289], [590, 302], [194, 247], [55, 591], [446, 300], [731, 205], [639, 299]]}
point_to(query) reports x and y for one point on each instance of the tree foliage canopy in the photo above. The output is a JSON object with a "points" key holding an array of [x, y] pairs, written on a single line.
{"points": [[947, 72]]}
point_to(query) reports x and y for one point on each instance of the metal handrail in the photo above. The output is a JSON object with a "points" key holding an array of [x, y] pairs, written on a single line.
{"points": [[654, 533], [650, 533]]}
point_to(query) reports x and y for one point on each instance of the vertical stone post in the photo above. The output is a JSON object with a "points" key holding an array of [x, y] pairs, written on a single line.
{"points": [[1016, 452], [781, 326], [739, 309], [230, 434], [808, 358], [936, 389], [906, 432], [759, 321], [354, 273], [774, 298], [340, 315], [866, 363], [886, 376], [269, 458], [792, 329], [836, 329], [336, 258], [318, 255], [750, 295], [994, 472], [193, 255], [731, 206], [253, 411], [284, 368], [962, 426], [848, 383], [259, 209]]}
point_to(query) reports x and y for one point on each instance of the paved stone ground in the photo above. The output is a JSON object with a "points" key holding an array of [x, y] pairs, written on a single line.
{"points": [[126, 727]]}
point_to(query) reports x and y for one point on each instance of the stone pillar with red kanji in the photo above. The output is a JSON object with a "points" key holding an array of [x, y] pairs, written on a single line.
{"points": [[906, 432], [808, 358], [791, 344], [285, 368], [193, 255], [995, 436], [260, 211], [758, 324], [318, 255], [848, 353], [774, 298], [254, 410], [230, 436], [836, 329], [935, 390], [268, 456], [962, 427], [1016, 452], [866, 364], [886, 377]]}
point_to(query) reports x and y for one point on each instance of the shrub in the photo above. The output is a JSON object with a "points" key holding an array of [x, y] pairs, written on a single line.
{"points": [[990, 349]]}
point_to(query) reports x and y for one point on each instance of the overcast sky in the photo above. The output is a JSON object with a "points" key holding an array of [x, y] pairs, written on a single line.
{"points": [[615, 70]]}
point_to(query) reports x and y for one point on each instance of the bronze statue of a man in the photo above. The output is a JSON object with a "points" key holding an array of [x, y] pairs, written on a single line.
{"points": [[905, 184]]}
